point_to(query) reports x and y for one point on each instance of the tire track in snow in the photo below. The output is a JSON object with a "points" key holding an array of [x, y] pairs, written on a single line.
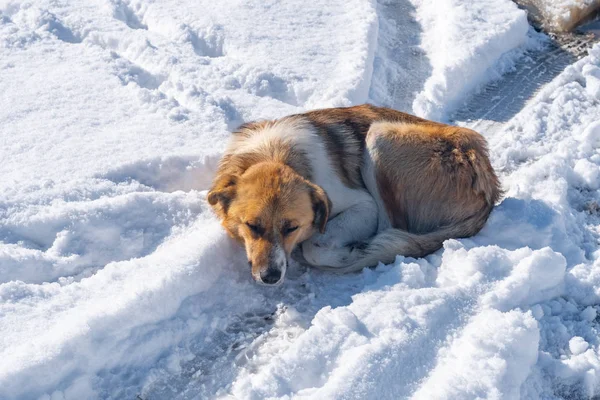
{"points": [[496, 103], [401, 67]]}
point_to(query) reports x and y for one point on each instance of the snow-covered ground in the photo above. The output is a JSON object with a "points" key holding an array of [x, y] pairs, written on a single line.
{"points": [[117, 282]]}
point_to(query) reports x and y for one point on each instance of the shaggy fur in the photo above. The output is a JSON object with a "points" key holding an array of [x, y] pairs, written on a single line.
{"points": [[353, 186]]}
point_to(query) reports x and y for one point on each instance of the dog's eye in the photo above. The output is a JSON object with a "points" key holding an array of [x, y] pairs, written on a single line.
{"points": [[254, 228], [290, 229]]}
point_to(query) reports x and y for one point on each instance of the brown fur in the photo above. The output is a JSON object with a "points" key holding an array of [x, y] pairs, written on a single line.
{"points": [[434, 180], [344, 130], [455, 178], [273, 197]]}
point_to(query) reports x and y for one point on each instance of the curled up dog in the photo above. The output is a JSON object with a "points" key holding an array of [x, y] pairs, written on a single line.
{"points": [[350, 187]]}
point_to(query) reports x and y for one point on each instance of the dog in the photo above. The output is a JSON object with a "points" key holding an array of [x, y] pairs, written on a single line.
{"points": [[349, 188]]}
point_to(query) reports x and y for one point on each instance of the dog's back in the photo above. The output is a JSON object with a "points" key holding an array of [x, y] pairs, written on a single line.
{"points": [[431, 177], [344, 131], [433, 182]]}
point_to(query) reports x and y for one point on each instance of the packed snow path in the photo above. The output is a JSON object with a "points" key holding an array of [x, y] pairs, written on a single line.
{"points": [[497, 102], [116, 281]]}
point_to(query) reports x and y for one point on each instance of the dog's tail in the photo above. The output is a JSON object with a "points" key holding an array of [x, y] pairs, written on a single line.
{"points": [[391, 242]]}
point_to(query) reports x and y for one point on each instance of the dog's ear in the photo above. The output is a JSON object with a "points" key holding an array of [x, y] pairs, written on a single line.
{"points": [[321, 206], [222, 197], [223, 191]]}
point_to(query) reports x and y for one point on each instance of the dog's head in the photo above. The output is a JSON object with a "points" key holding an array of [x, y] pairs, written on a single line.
{"points": [[270, 209]]}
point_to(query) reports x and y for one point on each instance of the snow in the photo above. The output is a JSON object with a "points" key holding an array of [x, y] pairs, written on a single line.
{"points": [[432, 54], [491, 359], [117, 281], [463, 54], [578, 345]]}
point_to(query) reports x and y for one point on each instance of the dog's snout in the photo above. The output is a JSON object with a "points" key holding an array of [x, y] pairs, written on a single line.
{"points": [[269, 267], [270, 276]]}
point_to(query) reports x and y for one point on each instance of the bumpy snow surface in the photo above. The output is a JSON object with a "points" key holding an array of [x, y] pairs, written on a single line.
{"points": [[117, 282]]}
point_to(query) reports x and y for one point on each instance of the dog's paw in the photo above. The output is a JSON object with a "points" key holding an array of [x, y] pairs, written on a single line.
{"points": [[325, 240], [298, 256], [324, 256]]}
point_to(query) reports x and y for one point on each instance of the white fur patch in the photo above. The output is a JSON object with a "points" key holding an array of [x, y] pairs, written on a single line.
{"points": [[280, 259], [301, 135]]}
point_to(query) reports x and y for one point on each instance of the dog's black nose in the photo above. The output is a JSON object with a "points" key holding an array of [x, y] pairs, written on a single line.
{"points": [[270, 276]]}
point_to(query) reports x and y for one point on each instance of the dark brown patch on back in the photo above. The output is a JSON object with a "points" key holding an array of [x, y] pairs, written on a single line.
{"points": [[391, 195], [344, 130]]}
